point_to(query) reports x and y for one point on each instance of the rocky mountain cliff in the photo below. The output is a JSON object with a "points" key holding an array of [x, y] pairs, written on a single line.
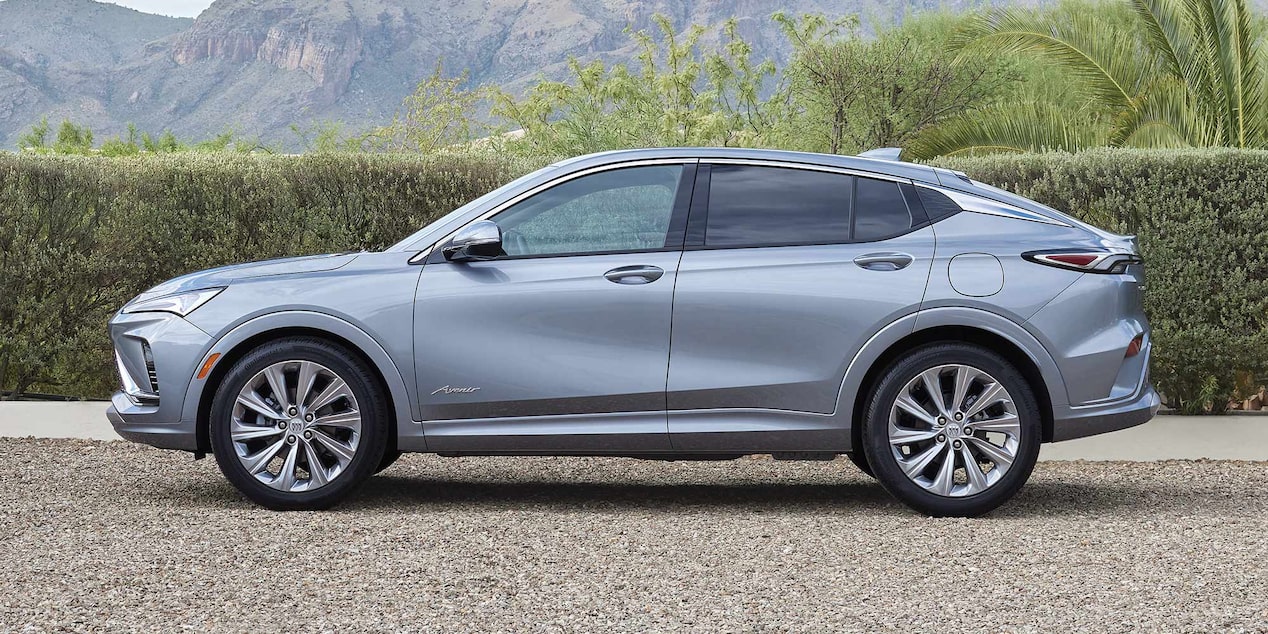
{"points": [[258, 66]]}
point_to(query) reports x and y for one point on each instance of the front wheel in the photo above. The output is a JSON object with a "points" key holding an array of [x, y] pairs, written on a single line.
{"points": [[952, 430], [298, 424]]}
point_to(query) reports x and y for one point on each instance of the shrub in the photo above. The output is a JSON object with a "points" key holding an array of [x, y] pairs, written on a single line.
{"points": [[1202, 220], [79, 236]]}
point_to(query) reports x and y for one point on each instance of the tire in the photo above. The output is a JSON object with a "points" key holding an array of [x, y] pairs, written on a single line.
{"points": [[389, 458], [859, 458], [1010, 422], [346, 435]]}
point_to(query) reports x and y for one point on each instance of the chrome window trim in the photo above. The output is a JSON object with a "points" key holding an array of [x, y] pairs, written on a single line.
{"points": [[485, 215], [814, 167], [980, 205]]}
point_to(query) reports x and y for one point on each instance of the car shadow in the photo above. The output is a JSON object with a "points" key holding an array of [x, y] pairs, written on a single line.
{"points": [[1036, 499]]}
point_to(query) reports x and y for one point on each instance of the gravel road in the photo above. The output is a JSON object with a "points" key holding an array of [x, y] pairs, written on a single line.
{"points": [[113, 536]]}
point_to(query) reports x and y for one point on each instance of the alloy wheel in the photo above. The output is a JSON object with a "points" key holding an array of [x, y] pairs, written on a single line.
{"points": [[296, 426], [954, 430]]}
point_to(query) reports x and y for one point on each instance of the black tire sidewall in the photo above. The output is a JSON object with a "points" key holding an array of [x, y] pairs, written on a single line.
{"points": [[876, 435], [370, 402]]}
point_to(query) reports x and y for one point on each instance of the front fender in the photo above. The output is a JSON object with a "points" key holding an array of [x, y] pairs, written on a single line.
{"points": [[289, 319]]}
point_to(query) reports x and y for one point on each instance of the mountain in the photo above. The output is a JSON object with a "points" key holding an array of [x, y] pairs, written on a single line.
{"points": [[259, 66]]}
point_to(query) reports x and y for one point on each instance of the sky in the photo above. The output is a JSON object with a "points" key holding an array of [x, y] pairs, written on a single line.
{"points": [[178, 8]]}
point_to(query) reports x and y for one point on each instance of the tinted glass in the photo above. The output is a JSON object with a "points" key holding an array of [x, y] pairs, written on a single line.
{"points": [[617, 210], [880, 211], [752, 206], [937, 204]]}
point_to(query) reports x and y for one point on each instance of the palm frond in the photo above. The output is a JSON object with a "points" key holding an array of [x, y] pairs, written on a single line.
{"points": [[1115, 65], [1165, 117], [1014, 127]]}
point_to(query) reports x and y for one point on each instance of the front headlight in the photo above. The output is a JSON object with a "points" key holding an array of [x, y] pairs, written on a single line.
{"points": [[180, 304]]}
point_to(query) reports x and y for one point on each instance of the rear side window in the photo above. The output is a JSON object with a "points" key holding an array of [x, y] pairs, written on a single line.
{"points": [[752, 206], [880, 211]]}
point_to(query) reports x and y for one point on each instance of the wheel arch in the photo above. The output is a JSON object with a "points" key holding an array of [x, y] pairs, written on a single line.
{"points": [[252, 334], [987, 330]]}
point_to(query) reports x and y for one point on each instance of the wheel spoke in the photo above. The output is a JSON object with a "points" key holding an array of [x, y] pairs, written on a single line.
{"points": [[317, 473], [901, 436], [241, 432], [908, 404], [932, 379], [914, 465], [251, 399], [304, 384], [977, 479], [285, 480], [964, 376], [259, 461], [277, 383], [998, 455], [333, 392], [347, 420], [945, 479], [1007, 424], [990, 396], [343, 452]]}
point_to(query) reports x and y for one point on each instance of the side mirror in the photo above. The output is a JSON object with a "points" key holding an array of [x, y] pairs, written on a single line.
{"points": [[479, 240]]}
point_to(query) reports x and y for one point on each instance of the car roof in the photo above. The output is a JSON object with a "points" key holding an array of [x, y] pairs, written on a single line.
{"points": [[898, 169]]}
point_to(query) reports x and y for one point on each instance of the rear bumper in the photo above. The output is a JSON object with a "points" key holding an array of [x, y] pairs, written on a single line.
{"points": [[139, 423], [1090, 421]]}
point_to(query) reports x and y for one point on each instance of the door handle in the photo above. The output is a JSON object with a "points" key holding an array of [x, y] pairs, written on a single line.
{"points": [[884, 261], [637, 274]]}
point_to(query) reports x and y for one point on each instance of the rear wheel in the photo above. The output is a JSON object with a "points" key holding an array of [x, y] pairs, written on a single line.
{"points": [[952, 430], [298, 424]]}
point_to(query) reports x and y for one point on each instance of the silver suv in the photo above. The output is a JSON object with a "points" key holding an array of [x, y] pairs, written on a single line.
{"points": [[671, 304]]}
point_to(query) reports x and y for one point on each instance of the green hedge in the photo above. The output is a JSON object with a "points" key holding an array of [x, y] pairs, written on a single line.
{"points": [[80, 236], [1202, 219]]}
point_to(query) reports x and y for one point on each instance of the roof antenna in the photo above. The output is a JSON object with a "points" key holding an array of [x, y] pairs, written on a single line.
{"points": [[883, 153]]}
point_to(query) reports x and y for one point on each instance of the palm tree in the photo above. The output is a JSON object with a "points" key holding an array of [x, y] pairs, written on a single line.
{"points": [[1178, 73]]}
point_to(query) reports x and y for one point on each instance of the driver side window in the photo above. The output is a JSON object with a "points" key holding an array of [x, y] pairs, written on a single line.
{"points": [[626, 209]]}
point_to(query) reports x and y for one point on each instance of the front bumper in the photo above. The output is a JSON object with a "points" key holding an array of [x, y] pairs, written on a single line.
{"points": [[1079, 422], [139, 423], [159, 354]]}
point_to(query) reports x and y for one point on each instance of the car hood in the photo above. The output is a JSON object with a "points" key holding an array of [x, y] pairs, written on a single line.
{"points": [[225, 275]]}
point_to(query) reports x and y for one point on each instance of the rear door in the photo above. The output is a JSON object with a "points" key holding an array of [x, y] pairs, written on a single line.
{"points": [[787, 272]]}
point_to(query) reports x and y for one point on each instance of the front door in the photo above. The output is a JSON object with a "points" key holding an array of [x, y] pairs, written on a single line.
{"points": [[786, 274], [562, 342]]}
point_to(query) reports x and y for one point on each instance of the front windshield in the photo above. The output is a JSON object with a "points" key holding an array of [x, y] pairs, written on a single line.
{"points": [[479, 202]]}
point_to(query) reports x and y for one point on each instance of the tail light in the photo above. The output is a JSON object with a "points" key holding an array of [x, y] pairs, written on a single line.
{"points": [[1133, 348], [1086, 261]]}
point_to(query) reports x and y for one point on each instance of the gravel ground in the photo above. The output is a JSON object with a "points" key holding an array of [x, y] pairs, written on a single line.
{"points": [[114, 536]]}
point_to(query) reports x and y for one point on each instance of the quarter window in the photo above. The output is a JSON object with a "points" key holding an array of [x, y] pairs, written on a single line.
{"points": [[880, 211], [625, 209], [752, 206]]}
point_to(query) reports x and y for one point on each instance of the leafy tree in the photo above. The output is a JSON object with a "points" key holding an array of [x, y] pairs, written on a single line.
{"points": [[442, 112], [1158, 73], [678, 95], [852, 92], [36, 138]]}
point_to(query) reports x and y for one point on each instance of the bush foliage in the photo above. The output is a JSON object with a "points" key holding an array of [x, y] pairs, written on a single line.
{"points": [[1202, 219], [79, 236]]}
